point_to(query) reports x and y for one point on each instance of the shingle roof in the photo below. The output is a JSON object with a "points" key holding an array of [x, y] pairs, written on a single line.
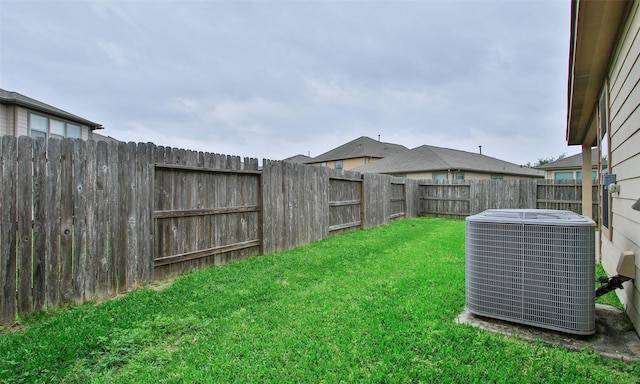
{"points": [[361, 147], [98, 137], [574, 161], [300, 159], [428, 158], [14, 98]]}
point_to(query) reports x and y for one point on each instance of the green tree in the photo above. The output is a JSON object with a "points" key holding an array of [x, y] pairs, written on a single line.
{"points": [[543, 161]]}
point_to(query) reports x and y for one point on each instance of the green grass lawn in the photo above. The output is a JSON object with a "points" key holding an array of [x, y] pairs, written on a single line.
{"points": [[371, 306]]}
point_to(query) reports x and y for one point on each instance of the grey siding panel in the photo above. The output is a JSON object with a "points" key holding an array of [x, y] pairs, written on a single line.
{"points": [[624, 91]]}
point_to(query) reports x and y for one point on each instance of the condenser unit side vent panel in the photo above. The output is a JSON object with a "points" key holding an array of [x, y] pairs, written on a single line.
{"points": [[533, 267]]}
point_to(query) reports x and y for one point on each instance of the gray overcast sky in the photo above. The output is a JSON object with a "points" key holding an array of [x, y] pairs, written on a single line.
{"points": [[272, 79]]}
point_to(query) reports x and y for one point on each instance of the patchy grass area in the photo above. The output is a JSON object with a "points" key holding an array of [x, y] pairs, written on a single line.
{"points": [[370, 306]]}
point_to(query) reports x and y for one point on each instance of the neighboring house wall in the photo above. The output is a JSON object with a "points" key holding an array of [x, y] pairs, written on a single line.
{"points": [[19, 125], [22, 128], [3, 119], [624, 143], [7, 117], [347, 164]]}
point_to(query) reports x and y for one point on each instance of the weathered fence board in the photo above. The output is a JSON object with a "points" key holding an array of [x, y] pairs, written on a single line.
{"points": [[66, 220], [116, 229], [24, 206], [128, 219], [92, 252], [99, 244], [79, 220], [52, 224], [40, 209], [9, 230]]}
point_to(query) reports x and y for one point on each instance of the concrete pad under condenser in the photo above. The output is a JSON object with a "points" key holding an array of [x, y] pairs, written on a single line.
{"points": [[614, 338]]}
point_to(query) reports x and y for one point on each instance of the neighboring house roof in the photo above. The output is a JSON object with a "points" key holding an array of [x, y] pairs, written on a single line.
{"points": [[361, 147], [108, 139], [300, 159], [14, 98], [570, 162], [428, 158]]}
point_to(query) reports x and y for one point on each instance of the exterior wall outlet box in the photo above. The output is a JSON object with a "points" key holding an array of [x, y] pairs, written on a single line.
{"points": [[626, 265]]}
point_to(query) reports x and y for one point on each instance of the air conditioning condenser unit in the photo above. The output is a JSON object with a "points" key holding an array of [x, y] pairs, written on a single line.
{"points": [[533, 267]]}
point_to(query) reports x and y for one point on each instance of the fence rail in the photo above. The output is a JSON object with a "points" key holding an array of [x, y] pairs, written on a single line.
{"points": [[81, 221]]}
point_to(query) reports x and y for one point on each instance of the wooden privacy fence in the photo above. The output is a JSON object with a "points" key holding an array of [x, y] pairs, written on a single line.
{"points": [[81, 221], [85, 220], [461, 198]]}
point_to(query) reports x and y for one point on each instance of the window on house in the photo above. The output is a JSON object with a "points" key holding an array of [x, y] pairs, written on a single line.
{"points": [[440, 176], [41, 126], [496, 177], [74, 131], [563, 175], [459, 175], [594, 175], [338, 164], [323, 164]]}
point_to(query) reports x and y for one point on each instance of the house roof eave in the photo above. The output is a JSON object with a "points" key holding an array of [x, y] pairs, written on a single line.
{"points": [[595, 26]]}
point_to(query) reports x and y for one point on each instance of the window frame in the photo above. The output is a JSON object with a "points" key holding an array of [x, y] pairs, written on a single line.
{"points": [[565, 173], [435, 175], [594, 175], [48, 134]]}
